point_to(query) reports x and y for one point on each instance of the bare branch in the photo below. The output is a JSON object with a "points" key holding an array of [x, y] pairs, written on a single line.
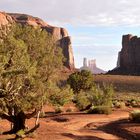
{"points": [[6, 116], [30, 115], [2, 96]]}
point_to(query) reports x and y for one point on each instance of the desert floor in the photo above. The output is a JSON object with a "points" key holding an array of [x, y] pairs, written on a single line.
{"points": [[80, 126]]}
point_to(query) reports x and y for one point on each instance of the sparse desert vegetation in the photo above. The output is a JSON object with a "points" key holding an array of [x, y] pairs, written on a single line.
{"points": [[135, 116], [121, 83], [93, 102], [127, 89], [40, 99]]}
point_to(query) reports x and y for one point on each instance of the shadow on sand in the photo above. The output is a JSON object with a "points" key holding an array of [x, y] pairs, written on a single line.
{"points": [[75, 137], [116, 128]]}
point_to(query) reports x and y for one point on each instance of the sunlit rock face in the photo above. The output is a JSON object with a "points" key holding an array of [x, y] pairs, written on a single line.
{"points": [[59, 34], [5, 19], [129, 56]]}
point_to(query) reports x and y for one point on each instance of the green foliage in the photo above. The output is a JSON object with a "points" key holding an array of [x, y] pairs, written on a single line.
{"points": [[58, 109], [60, 96], [29, 59], [133, 102], [21, 133], [118, 104], [135, 116], [96, 98], [101, 96], [100, 110], [128, 101], [81, 81], [82, 100]]}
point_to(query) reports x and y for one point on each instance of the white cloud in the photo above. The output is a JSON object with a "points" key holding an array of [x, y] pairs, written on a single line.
{"points": [[79, 12], [100, 45]]}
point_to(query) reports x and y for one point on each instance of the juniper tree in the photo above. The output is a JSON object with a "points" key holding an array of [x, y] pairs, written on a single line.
{"points": [[28, 60], [81, 81]]}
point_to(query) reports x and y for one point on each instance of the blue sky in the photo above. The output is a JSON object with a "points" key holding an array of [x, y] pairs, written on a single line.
{"points": [[101, 43], [96, 26]]}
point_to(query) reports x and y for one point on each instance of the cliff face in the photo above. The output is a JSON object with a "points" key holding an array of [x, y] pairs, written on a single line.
{"points": [[130, 53], [129, 56], [60, 34]]}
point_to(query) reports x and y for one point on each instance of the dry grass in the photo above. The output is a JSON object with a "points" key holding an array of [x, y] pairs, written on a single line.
{"points": [[120, 83], [127, 88]]}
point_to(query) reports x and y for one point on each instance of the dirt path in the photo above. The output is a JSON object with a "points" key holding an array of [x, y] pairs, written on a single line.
{"points": [[88, 127], [77, 126]]}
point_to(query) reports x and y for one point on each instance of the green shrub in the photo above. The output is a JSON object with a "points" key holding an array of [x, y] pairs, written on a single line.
{"points": [[81, 81], [134, 103], [100, 110], [58, 109], [82, 100], [99, 97], [95, 97], [60, 96], [119, 104], [135, 116], [21, 133]]}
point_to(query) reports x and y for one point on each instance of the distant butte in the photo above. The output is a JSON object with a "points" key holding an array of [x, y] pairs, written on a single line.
{"points": [[91, 66], [129, 56]]}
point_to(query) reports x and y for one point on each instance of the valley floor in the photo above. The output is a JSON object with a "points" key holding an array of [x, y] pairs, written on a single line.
{"points": [[79, 126]]}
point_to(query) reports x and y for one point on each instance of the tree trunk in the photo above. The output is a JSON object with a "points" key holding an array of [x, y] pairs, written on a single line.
{"points": [[19, 122], [37, 119]]}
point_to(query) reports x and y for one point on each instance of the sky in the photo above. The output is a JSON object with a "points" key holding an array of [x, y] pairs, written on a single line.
{"points": [[96, 26]]}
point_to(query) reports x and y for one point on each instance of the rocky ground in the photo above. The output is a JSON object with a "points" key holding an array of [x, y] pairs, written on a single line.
{"points": [[79, 126]]}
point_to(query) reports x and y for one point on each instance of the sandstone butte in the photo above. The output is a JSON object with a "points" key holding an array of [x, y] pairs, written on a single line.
{"points": [[129, 56], [60, 34]]}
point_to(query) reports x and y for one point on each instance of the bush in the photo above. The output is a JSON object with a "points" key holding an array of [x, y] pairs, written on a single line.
{"points": [[60, 96], [81, 81], [100, 110], [135, 116], [82, 101], [99, 97], [95, 97], [134, 103], [20, 134], [119, 104], [58, 109]]}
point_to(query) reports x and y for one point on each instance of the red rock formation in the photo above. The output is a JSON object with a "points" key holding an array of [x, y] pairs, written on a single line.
{"points": [[60, 34], [5, 19], [129, 58]]}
